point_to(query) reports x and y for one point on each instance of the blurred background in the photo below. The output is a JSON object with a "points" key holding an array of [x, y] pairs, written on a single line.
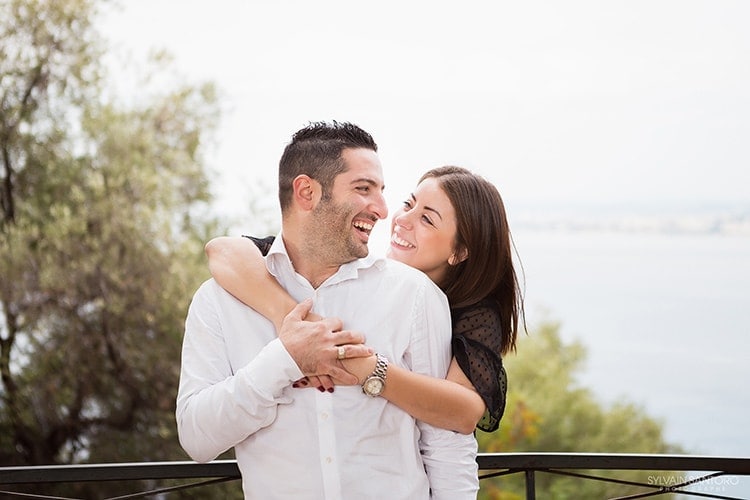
{"points": [[616, 133]]}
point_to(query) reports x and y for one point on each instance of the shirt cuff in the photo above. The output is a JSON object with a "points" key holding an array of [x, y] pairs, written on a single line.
{"points": [[272, 370]]}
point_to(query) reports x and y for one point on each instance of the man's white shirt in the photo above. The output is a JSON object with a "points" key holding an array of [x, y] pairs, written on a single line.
{"points": [[235, 391]]}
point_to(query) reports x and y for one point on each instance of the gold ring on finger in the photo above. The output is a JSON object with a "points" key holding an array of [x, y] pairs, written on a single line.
{"points": [[341, 354]]}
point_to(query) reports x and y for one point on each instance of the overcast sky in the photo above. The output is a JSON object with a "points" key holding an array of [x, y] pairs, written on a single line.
{"points": [[631, 102]]}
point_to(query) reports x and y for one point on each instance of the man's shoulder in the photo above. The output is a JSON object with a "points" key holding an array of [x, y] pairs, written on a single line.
{"points": [[394, 267], [409, 277], [211, 298], [210, 290], [208, 286]]}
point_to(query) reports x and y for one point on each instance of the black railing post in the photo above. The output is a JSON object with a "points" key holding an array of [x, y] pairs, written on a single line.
{"points": [[530, 485]]}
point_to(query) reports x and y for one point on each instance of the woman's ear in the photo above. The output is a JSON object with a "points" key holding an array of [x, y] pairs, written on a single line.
{"points": [[458, 256], [306, 191]]}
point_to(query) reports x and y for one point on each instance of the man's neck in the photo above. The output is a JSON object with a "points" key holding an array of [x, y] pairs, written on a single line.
{"points": [[307, 263]]}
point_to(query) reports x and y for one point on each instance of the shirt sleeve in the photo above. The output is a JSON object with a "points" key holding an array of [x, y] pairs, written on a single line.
{"points": [[477, 337], [449, 457], [216, 408]]}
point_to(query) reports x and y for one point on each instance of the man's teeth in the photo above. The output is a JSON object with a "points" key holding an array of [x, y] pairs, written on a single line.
{"points": [[400, 242], [363, 226]]}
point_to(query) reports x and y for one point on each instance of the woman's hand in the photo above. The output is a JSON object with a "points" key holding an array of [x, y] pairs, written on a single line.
{"points": [[360, 367], [356, 360]]}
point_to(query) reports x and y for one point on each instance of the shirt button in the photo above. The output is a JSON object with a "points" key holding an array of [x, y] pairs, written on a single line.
{"points": [[324, 416], [329, 460]]}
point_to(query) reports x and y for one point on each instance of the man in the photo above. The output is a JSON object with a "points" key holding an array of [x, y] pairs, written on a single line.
{"points": [[237, 375]]}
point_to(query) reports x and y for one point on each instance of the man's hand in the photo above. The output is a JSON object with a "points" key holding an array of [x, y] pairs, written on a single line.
{"points": [[314, 345]]}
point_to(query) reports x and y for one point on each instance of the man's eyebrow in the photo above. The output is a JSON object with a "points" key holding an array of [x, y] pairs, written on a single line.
{"points": [[368, 180]]}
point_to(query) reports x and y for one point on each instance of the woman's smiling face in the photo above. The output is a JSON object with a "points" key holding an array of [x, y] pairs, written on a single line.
{"points": [[423, 230]]}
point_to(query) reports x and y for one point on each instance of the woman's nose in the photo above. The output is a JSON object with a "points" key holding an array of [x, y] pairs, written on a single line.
{"points": [[403, 220]]}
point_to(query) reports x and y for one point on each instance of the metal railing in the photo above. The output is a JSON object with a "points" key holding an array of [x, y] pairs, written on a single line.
{"points": [[491, 465]]}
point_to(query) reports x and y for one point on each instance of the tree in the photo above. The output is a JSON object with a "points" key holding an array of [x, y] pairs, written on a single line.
{"points": [[547, 411], [104, 214]]}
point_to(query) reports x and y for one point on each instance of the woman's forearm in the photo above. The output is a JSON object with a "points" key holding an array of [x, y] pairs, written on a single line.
{"points": [[238, 266], [442, 403], [451, 403]]}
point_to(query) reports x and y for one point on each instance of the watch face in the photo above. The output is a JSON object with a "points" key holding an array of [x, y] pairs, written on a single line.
{"points": [[373, 386]]}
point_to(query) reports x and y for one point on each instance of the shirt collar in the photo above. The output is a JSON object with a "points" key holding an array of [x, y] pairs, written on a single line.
{"points": [[278, 256]]}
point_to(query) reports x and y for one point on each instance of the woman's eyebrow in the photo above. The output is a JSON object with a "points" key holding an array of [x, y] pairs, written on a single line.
{"points": [[433, 210], [430, 209]]}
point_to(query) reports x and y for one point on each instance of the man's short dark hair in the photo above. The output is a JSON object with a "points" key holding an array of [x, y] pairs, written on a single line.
{"points": [[316, 151]]}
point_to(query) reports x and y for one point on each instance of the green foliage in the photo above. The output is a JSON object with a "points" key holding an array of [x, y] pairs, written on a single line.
{"points": [[101, 242], [102, 229], [548, 412]]}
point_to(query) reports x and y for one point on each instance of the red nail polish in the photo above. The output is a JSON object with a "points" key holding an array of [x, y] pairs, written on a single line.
{"points": [[303, 382], [321, 388], [330, 389]]}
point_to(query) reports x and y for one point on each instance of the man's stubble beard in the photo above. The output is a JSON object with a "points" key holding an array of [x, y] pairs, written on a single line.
{"points": [[331, 236]]}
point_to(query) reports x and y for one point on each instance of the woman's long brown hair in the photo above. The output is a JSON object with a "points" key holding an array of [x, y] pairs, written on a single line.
{"points": [[483, 232]]}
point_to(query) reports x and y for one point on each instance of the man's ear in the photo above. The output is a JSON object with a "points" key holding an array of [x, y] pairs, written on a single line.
{"points": [[306, 191], [458, 256]]}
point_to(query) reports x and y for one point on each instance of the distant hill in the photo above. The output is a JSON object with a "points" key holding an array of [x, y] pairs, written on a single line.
{"points": [[711, 219]]}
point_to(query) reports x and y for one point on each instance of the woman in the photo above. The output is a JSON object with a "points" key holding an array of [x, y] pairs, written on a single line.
{"points": [[454, 229]]}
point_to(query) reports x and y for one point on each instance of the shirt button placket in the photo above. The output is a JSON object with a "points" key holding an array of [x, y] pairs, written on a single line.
{"points": [[327, 440]]}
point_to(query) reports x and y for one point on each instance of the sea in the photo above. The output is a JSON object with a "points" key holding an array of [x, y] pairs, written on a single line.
{"points": [[661, 303]]}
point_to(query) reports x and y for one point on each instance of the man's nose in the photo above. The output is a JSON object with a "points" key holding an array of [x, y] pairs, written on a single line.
{"points": [[380, 207]]}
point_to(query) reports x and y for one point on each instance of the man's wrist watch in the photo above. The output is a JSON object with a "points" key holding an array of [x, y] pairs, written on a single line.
{"points": [[375, 383]]}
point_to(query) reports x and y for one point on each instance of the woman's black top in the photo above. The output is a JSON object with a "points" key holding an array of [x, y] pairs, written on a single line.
{"points": [[476, 346]]}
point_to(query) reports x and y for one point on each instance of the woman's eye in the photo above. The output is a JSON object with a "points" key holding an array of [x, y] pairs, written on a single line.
{"points": [[427, 220], [407, 205]]}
